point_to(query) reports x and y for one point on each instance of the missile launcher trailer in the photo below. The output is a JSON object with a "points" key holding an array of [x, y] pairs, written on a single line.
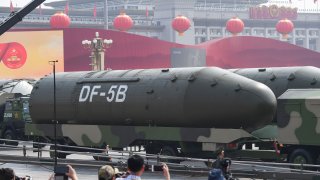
{"points": [[187, 111], [183, 111]]}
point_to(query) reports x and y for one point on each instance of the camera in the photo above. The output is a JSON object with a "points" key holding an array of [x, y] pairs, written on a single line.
{"points": [[157, 168], [60, 173]]}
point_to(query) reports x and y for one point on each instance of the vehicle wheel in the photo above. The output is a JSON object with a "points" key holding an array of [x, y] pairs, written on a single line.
{"points": [[10, 136], [152, 149], [169, 151], [301, 156], [36, 143], [38, 146], [59, 155], [100, 158]]}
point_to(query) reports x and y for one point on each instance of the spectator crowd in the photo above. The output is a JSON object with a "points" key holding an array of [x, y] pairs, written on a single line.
{"points": [[135, 169]]}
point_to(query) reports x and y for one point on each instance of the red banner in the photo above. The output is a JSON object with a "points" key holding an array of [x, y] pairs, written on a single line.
{"points": [[273, 12]]}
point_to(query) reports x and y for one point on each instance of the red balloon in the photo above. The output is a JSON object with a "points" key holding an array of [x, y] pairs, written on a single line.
{"points": [[60, 20], [235, 25], [284, 27], [123, 22], [181, 24]]}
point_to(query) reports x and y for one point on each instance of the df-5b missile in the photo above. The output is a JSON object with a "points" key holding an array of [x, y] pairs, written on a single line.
{"points": [[182, 97], [280, 79]]}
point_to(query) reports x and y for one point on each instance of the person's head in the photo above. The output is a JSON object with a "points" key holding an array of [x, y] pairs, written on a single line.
{"points": [[136, 165], [7, 174], [220, 153], [107, 173]]}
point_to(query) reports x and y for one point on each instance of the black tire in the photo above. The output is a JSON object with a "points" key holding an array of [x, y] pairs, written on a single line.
{"points": [[59, 154], [36, 143], [169, 151], [301, 156], [10, 136], [100, 158]]}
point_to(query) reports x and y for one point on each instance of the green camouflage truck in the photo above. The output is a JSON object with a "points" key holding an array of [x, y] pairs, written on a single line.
{"points": [[298, 120], [14, 114]]}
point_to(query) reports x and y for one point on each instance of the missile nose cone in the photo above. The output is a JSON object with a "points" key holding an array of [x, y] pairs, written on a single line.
{"points": [[264, 105]]}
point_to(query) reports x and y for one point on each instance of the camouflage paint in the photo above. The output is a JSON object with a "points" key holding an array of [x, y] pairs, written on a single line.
{"points": [[123, 136], [299, 117]]}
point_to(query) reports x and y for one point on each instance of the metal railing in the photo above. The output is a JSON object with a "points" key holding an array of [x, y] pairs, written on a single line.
{"points": [[247, 169]]}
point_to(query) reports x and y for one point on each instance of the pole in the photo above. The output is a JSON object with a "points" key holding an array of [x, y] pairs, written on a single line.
{"points": [[54, 114], [106, 15]]}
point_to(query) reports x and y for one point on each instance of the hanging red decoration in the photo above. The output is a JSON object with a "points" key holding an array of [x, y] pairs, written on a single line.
{"points": [[60, 20], [181, 24], [284, 27], [123, 22], [235, 25]]}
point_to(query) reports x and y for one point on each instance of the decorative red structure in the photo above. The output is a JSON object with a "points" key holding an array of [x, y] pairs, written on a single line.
{"points": [[284, 27], [14, 55], [60, 20], [181, 24], [123, 22], [235, 25]]}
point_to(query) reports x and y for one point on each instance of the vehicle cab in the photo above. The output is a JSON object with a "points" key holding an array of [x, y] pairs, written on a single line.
{"points": [[15, 115]]}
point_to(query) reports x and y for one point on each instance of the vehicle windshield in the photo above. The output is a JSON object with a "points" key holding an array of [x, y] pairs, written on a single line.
{"points": [[25, 112]]}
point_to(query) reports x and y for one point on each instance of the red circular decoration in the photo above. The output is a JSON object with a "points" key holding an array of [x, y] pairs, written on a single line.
{"points": [[123, 22], [15, 56], [181, 24], [284, 27], [235, 25], [60, 20]]}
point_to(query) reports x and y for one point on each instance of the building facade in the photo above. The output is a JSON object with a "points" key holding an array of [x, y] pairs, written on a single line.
{"points": [[153, 18]]}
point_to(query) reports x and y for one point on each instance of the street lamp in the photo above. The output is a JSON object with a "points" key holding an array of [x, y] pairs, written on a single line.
{"points": [[97, 46], [54, 120]]}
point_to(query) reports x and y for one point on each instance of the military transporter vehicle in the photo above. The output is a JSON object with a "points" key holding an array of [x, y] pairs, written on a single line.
{"points": [[14, 108], [179, 112], [297, 124]]}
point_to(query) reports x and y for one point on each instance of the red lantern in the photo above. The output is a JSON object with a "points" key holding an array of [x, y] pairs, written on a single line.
{"points": [[181, 24], [60, 20], [123, 22], [235, 25], [284, 27]]}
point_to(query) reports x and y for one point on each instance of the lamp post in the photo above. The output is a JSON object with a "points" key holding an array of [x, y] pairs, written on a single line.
{"points": [[97, 46], [54, 120], [106, 15]]}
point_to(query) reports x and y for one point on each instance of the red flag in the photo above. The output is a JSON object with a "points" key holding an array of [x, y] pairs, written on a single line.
{"points": [[66, 9], [11, 7], [147, 12], [95, 11]]}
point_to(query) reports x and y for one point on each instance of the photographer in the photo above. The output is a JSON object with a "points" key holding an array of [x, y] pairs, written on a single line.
{"points": [[136, 169], [223, 164]]}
